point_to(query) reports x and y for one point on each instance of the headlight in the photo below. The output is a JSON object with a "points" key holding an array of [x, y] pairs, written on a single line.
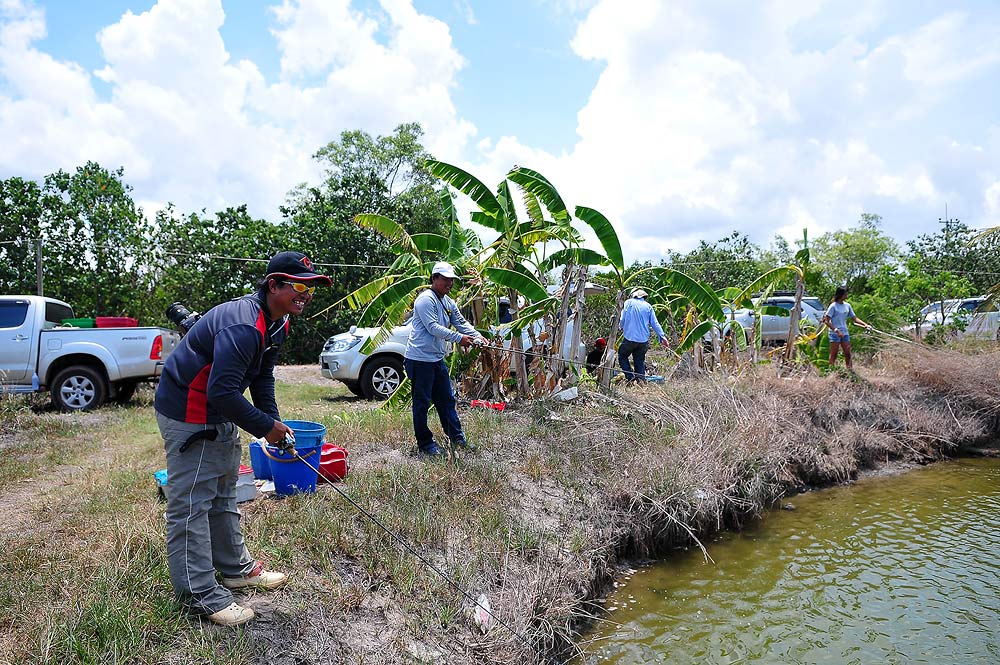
{"points": [[342, 342]]}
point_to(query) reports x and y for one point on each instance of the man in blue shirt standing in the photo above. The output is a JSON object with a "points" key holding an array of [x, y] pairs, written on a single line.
{"points": [[637, 318], [433, 315]]}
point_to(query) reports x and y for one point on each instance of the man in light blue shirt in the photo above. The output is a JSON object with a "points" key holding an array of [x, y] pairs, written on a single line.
{"points": [[637, 318], [433, 315]]}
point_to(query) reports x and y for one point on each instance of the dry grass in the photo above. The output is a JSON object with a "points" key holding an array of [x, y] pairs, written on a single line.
{"points": [[559, 496]]}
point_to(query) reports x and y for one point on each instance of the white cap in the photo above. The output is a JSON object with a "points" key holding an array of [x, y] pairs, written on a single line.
{"points": [[444, 269], [639, 293], [504, 300]]}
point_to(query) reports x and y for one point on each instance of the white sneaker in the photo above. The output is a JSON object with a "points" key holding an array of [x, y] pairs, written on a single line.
{"points": [[258, 578], [234, 615]]}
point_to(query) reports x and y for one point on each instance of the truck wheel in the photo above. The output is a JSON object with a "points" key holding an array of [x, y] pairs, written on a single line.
{"points": [[126, 389], [79, 388], [355, 387], [381, 377]]}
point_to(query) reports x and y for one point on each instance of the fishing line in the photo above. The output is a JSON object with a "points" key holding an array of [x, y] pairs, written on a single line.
{"points": [[405, 545]]}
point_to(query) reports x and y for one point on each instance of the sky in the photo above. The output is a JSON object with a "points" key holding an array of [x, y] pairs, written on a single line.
{"points": [[680, 120]]}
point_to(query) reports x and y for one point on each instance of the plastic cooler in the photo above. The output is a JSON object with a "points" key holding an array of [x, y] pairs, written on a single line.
{"points": [[116, 322], [290, 474], [79, 323]]}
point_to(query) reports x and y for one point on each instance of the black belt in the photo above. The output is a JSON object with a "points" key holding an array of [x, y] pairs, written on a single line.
{"points": [[207, 434]]}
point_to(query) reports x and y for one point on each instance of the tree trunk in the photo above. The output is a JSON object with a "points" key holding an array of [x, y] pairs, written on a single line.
{"points": [[793, 320], [517, 350], [574, 343], [559, 329], [608, 362]]}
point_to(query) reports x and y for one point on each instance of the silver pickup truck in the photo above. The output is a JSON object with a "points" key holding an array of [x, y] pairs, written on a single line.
{"points": [[81, 367]]}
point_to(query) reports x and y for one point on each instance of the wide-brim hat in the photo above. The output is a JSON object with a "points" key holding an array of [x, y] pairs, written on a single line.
{"points": [[295, 265]]}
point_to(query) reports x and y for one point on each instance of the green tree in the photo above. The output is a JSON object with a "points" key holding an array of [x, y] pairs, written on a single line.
{"points": [[364, 175], [93, 238], [852, 256], [726, 262], [959, 250], [21, 215]]}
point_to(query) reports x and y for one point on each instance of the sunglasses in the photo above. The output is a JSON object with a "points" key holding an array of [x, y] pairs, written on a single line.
{"points": [[301, 288]]}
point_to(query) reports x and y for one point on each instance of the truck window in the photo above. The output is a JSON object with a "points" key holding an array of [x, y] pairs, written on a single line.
{"points": [[55, 313], [13, 313]]}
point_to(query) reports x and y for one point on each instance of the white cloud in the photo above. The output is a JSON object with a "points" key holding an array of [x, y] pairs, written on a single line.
{"points": [[772, 117], [195, 127]]}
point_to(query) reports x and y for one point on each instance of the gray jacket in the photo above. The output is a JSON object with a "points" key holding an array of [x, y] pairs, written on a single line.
{"points": [[430, 331]]}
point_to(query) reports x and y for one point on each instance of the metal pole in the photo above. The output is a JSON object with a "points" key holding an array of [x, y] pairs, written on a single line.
{"points": [[38, 264]]}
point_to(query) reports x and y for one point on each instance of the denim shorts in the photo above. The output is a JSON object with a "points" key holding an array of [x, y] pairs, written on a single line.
{"points": [[837, 338]]}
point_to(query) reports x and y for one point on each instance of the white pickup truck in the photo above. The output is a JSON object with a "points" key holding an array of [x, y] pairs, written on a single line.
{"points": [[81, 367]]}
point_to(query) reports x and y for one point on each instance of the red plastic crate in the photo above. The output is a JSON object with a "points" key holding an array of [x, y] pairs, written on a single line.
{"points": [[116, 322]]}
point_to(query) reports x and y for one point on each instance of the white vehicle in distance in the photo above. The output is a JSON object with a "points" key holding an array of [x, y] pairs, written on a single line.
{"points": [[931, 315], [981, 318], [774, 328], [377, 375]]}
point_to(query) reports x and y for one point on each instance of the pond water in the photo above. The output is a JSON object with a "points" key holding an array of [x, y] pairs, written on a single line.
{"points": [[900, 569]]}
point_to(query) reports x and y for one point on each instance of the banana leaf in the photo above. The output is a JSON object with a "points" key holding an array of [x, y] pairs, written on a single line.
{"points": [[397, 292], [525, 284], [606, 235], [388, 229], [430, 242], [538, 185], [698, 294], [695, 335], [467, 184], [767, 281], [577, 255]]}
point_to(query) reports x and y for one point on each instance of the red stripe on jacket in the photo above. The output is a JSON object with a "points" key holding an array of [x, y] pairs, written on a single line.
{"points": [[197, 397], [261, 326]]}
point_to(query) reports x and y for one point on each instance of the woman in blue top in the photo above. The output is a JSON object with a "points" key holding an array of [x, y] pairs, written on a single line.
{"points": [[836, 317]]}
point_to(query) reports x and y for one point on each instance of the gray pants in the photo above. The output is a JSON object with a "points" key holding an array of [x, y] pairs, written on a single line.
{"points": [[203, 524]]}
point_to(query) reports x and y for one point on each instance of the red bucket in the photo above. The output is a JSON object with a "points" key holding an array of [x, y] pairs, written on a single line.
{"points": [[333, 462]]}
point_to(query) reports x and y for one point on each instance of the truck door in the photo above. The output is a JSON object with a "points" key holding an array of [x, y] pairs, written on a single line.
{"points": [[16, 341]]}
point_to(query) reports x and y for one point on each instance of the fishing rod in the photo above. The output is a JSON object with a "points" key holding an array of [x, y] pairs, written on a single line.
{"points": [[288, 447]]}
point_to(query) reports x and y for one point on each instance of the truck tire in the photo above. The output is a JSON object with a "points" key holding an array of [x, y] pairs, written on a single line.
{"points": [[381, 377], [79, 388], [355, 387], [126, 389]]}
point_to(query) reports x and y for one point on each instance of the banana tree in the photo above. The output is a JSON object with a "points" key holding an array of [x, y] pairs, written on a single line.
{"points": [[519, 244], [669, 288], [384, 301]]}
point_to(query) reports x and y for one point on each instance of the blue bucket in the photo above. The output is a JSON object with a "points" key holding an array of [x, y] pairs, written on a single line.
{"points": [[307, 434], [258, 460], [290, 475]]}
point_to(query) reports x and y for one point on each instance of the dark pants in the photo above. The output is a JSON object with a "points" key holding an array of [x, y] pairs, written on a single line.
{"points": [[637, 351], [431, 384]]}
